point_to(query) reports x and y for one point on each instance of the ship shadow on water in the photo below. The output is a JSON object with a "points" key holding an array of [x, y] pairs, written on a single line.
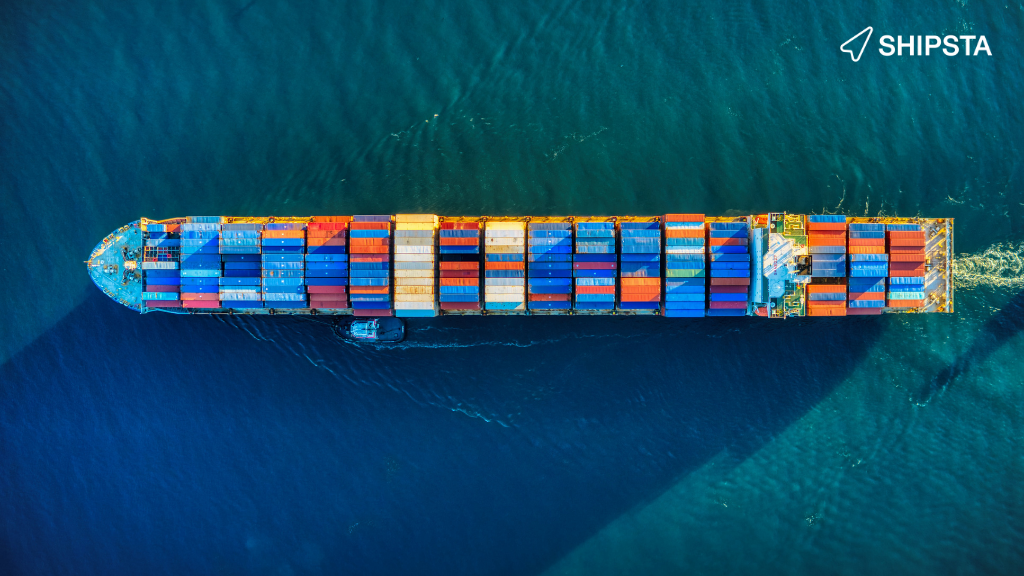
{"points": [[172, 444], [1003, 325]]}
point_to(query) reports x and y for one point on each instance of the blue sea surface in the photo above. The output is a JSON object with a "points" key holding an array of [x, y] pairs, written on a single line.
{"points": [[162, 444]]}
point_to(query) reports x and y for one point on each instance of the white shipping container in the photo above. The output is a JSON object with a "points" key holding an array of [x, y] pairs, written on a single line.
{"points": [[414, 249], [159, 265], [504, 298], [503, 289], [505, 242], [414, 258], [505, 234], [414, 241], [506, 226], [414, 297], [415, 217], [414, 265], [505, 281], [413, 290], [414, 305], [414, 281], [506, 249], [413, 274]]}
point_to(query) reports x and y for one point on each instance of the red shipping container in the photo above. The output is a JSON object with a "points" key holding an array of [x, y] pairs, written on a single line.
{"points": [[641, 281], [729, 289], [907, 234], [830, 233], [727, 305], [866, 296], [863, 311], [459, 274], [371, 312], [211, 296], [328, 305], [505, 266], [823, 226], [635, 298], [867, 249], [460, 281], [826, 288], [812, 241], [900, 273], [369, 290], [906, 266], [683, 218], [371, 241], [685, 233], [369, 249], [330, 220], [730, 281], [549, 297], [376, 258], [901, 243], [727, 241], [595, 289], [905, 303], [593, 266], [917, 257], [826, 311], [159, 288], [460, 225], [370, 225], [460, 265], [162, 303], [327, 289], [460, 305], [200, 304], [329, 297], [459, 241]]}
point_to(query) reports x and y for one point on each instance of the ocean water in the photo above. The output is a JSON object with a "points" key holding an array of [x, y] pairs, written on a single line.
{"points": [[164, 445]]}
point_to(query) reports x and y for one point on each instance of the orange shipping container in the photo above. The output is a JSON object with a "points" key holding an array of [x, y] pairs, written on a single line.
{"points": [[867, 241], [684, 233], [813, 241], [684, 218], [826, 311], [905, 303], [641, 282], [460, 265], [867, 249], [368, 289], [825, 288], [459, 241]]}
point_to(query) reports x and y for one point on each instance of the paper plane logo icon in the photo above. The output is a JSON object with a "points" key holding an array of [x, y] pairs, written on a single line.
{"points": [[866, 34]]}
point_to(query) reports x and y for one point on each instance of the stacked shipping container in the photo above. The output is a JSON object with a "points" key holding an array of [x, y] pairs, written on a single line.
{"points": [[240, 254], [729, 255], [200, 262], [640, 266], [826, 300], [906, 243], [869, 265], [370, 265], [327, 262], [460, 266], [826, 242], [284, 255], [160, 261], [414, 265], [685, 270], [550, 268], [505, 266], [594, 264]]}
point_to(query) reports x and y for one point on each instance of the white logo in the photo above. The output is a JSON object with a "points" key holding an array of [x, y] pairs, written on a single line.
{"points": [[867, 38], [915, 45]]}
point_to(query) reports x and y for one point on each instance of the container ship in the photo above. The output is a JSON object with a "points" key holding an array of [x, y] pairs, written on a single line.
{"points": [[774, 265]]}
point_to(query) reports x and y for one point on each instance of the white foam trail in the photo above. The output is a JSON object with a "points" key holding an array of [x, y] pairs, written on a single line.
{"points": [[1000, 265]]}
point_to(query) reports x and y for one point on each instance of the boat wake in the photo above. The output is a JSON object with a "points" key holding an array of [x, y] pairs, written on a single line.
{"points": [[999, 266]]}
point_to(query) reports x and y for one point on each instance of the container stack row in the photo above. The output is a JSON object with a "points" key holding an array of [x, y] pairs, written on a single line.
{"points": [[594, 265], [284, 256], [370, 265], [906, 247], [327, 262], [414, 265], [550, 265], [240, 254], [869, 266], [505, 266], [826, 242], [685, 267], [460, 266], [826, 300], [160, 266], [729, 255], [201, 268], [640, 266]]}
